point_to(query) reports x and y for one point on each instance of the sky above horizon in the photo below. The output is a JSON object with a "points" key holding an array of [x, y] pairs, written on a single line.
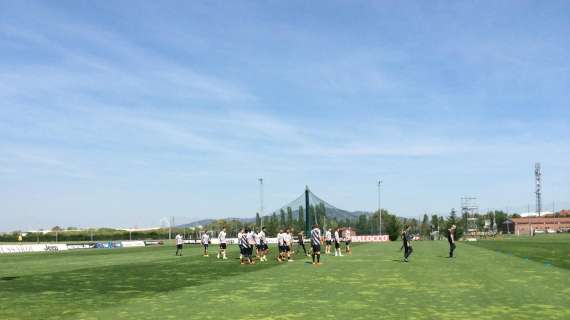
{"points": [[123, 113]]}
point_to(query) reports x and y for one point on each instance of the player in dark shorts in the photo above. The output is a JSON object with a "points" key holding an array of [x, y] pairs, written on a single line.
{"points": [[316, 243], [223, 244], [337, 252], [348, 240], [257, 239], [328, 241], [281, 245], [451, 239], [301, 239], [407, 239], [205, 242], [179, 244], [245, 248], [263, 242]]}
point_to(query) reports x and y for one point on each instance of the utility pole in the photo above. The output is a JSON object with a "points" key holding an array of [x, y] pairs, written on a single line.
{"points": [[379, 208], [261, 200]]}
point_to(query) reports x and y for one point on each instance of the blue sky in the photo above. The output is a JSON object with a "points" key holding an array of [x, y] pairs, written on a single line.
{"points": [[122, 113]]}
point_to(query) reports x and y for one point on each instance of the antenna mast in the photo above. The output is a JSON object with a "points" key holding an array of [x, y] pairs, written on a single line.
{"points": [[538, 187]]}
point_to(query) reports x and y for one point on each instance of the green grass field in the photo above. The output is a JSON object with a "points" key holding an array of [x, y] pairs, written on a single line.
{"points": [[488, 280]]}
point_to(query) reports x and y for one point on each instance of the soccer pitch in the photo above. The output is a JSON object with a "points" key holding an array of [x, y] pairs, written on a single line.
{"points": [[152, 283]]}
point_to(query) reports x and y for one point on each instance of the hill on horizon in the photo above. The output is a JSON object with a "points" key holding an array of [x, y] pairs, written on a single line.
{"points": [[331, 213]]}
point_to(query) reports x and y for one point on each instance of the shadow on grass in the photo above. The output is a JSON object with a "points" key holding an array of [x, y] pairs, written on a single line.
{"points": [[100, 287]]}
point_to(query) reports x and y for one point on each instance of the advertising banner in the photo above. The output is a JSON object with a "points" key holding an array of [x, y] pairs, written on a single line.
{"points": [[108, 245], [74, 246], [153, 242], [23, 248], [377, 238], [132, 244]]}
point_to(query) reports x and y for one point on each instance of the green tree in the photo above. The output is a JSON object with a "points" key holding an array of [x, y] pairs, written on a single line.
{"points": [[265, 220], [454, 220], [392, 225], [273, 224], [362, 224], [289, 217], [434, 222], [301, 219], [500, 218], [282, 219], [312, 215], [257, 220], [425, 227]]}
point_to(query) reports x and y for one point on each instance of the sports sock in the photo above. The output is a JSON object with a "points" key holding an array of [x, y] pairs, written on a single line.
{"points": [[318, 258]]}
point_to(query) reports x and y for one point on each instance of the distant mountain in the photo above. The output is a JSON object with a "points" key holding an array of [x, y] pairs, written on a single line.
{"points": [[206, 222], [194, 224]]}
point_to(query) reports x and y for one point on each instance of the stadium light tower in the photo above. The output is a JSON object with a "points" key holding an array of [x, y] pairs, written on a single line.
{"points": [[261, 200], [379, 208]]}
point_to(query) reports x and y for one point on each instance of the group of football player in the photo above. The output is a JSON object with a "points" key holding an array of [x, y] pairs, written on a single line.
{"points": [[252, 242]]}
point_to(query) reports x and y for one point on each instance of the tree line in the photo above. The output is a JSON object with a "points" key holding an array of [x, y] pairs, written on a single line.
{"points": [[428, 227]]}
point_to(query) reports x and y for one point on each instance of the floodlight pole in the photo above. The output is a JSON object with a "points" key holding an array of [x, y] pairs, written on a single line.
{"points": [[170, 223], [307, 221], [261, 200], [379, 208]]}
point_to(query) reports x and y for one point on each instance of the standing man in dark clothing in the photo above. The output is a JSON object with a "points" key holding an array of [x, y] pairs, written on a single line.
{"points": [[407, 238], [301, 238], [451, 239]]}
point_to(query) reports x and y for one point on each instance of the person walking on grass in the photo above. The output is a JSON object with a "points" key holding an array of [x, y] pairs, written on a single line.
{"points": [[336, 240], [301, 239], [179, 244], [316, 243], [251, 242], [240, 233], [281, 245], [451, 239], [257, 239], [288, 244], [205, 242], [245, 248], [348, 240], [328, 241], [263, 244], [407, 238], [223, 244]]}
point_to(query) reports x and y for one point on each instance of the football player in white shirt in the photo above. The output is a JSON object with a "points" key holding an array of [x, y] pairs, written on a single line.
{"points": [[205, 242], [245, 248], [288, 244], [179, 244], [251, 242], [223, 244], [337, 252], [239, 235], [328, 241], [263, 243], [281, 245], [257, 239], [348, 240]]}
